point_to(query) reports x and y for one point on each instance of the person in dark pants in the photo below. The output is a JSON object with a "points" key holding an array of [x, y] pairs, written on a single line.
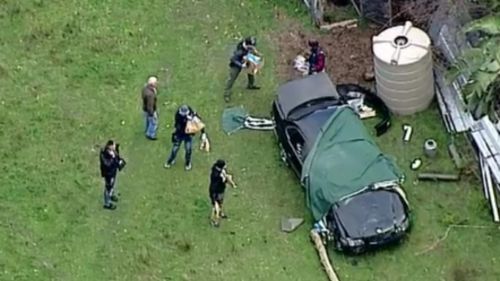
{"points": [[316, 58], [237, 63], [149, 93], [111, 163], [218, 179], [183, 114]]}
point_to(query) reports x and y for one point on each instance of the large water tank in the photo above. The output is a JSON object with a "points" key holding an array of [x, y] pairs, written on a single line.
{"points": [[403, 69]]}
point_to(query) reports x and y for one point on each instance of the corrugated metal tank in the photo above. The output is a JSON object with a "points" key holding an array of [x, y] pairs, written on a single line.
{"points": [[403, 69]]}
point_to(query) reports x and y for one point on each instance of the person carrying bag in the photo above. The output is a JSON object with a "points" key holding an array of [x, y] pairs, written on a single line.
{"points": [[187, 124]]}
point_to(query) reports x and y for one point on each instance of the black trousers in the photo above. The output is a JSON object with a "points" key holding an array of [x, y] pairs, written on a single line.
{"points": [[217, 198], [109, 186], [234, 72]]}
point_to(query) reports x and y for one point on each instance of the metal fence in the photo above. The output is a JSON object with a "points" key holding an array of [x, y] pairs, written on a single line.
{"points": [[449, 41]]}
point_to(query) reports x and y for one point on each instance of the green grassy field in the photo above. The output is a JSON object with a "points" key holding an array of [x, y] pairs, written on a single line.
{"points": [[71, 72]]}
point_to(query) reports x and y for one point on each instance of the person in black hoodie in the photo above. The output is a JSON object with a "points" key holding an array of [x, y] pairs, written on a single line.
{"points": [[218, 179], [111, 163], [182, 115], [237, 63]]}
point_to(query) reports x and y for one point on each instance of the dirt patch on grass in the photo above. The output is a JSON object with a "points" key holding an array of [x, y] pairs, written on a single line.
{"points": [[464, 272], [348, 51]]}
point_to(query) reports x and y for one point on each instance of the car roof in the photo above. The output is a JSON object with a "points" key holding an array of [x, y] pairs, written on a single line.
{"points": [[311, 124], [297, 92]]}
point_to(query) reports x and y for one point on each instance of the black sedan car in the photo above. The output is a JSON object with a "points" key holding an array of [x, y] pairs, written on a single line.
{"points": [[299, 110], [377, 216]]}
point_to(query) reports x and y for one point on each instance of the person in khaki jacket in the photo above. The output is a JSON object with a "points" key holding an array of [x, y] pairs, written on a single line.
{"points": [[149, 93]]}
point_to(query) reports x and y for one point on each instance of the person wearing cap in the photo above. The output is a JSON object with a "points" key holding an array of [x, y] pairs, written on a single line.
{"points": [[182, 116], [218, 179], [111, 163], [316, 58], [149, 93], [237, 63]]}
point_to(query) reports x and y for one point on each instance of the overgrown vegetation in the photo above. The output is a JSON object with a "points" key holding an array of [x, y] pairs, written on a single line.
{"points": [[481, 65]]}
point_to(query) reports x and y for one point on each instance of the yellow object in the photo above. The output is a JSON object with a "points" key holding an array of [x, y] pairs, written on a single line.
{"points": [[194, 125], [205, 143], [255, 68], [367, 112], [254, 63]]}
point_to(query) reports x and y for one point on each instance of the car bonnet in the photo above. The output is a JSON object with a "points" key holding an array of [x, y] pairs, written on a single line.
{"points": [[370, 213]]}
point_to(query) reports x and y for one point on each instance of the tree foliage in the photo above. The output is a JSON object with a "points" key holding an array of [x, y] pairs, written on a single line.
{"points": [[481, 64]]}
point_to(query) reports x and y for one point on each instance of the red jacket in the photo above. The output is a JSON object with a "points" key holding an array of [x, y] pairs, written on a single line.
{"points": [[316, 61]]}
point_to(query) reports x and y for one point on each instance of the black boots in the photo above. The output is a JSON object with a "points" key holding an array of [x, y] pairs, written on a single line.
{"points": [[251, 82], [110, 206]]}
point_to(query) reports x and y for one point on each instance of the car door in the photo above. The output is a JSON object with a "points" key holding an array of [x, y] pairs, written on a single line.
{"points": [[295, 143]]}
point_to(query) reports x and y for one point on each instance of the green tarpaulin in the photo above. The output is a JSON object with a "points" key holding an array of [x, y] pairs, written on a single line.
{"points": [[343, 161], [233, 119]]}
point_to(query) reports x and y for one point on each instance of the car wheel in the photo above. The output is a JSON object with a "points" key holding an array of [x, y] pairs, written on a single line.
{"points": [[338, 245], [357, 250], [283, 155]]}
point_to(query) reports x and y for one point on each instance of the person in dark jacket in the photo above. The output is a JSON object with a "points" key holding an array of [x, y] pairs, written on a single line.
{"points": [[149, 93], [218, 179], [316, 58], [237, 63], [111, 163], [182, 115]]}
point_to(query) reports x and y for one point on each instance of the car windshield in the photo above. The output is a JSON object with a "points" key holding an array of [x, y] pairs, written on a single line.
{"points": [[311, 106]]}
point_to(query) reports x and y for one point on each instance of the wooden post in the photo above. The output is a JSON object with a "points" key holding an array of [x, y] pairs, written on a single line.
{"points": [[390, 13], [316, 9], [491, 193], [438, 177], [344, 23], [323, 255], [318, 12], [356, 8], [484, 166]]}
